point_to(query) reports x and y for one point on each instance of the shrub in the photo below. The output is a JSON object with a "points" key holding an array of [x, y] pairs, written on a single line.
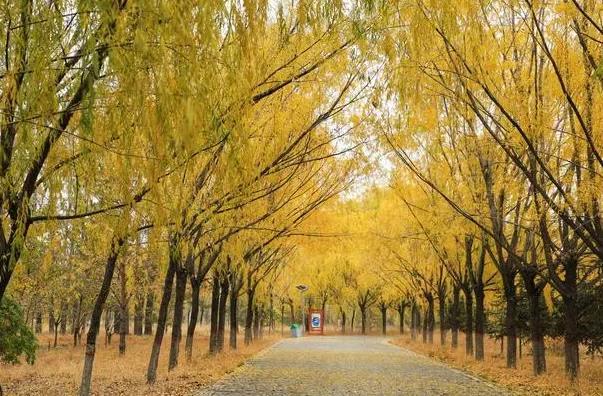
{"points": [[16, 338]]}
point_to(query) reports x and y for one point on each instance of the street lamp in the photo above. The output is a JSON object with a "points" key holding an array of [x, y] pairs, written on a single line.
{"points": [[302, 289]]}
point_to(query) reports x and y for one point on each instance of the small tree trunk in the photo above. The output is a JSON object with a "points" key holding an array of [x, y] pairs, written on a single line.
{"points": [[468, 322], [413, 322], [571, 337], [181, 278], [383, 320], [38, 322], [234, 321], [138, 314], [401, 309], [511, 326], [480, 323], [224, 286], [442, 318], [162, 318], [363, 318], [148, 313], [122, 330], [56, 333], [95, 318], [192, 323], [64, 310], [343, 318], [425, 325], [431, 321], [271, 315], [352, 320], [454, 316], [214, 315], [249, 316], [256, 323]]}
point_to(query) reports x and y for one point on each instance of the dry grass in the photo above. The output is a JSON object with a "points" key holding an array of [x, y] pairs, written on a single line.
{"points": [[520, 380], [58, 371]]}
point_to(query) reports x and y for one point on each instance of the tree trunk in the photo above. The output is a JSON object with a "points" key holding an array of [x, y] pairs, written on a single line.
{"points": [[214, 315], [97, 312], [536, 326], [192, 323], [38, 322], [64, 318], [343, 319], [162, 318], [138, 314], [271, 315], [224, 286], [249, 316], [56, 334], [480, 323], [51, 321], [401, 309], [511, 325], [468, 322], [256, 322], [181, 278], [363, 318], [148, 313], [425, 325], [383, 320], [455, 315], [571, 336], [442, 318], [123, 329], [413, 322], [352, 321], [234, 321]]}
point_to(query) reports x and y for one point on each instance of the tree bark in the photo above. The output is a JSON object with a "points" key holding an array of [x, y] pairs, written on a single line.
{"points": [[249, 316], [383, 320], [256, 322], [455, 316], [413, 322], [138, 314], [97, 312], [401, 311], [224, 286], [123, 329], [181, 278], [534, 294], [480, 323], [234, 321], [148, 313], [192, 324], [214, 315], [468, 322], [162, 316], [511, 324], [363, 319]]}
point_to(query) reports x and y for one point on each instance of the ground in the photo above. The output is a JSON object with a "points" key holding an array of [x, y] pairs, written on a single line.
{"points": [[57, 371], [337, 365]]}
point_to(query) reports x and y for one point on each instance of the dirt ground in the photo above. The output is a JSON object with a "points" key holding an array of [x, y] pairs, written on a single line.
{"points": [[520, 380], [57, 371]]}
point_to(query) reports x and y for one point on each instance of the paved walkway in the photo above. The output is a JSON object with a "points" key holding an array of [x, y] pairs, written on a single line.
{"points": [[346, 366]]}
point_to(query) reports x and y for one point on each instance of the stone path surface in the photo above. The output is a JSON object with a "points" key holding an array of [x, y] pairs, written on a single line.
{"points": [[346, 365]]}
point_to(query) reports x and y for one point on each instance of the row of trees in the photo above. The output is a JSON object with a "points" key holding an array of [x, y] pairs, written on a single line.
{"points": [[148, 149], [492, 118]]}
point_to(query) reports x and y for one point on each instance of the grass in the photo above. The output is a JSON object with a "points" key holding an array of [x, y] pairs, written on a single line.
{"points": [[520, 380], [57, 371]]}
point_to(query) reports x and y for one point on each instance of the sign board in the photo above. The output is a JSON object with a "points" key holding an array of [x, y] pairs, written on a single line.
{"points": [[315, 321]]}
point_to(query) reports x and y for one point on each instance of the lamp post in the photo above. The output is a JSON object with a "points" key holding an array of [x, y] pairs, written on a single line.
{"points": [[302, 289]]}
